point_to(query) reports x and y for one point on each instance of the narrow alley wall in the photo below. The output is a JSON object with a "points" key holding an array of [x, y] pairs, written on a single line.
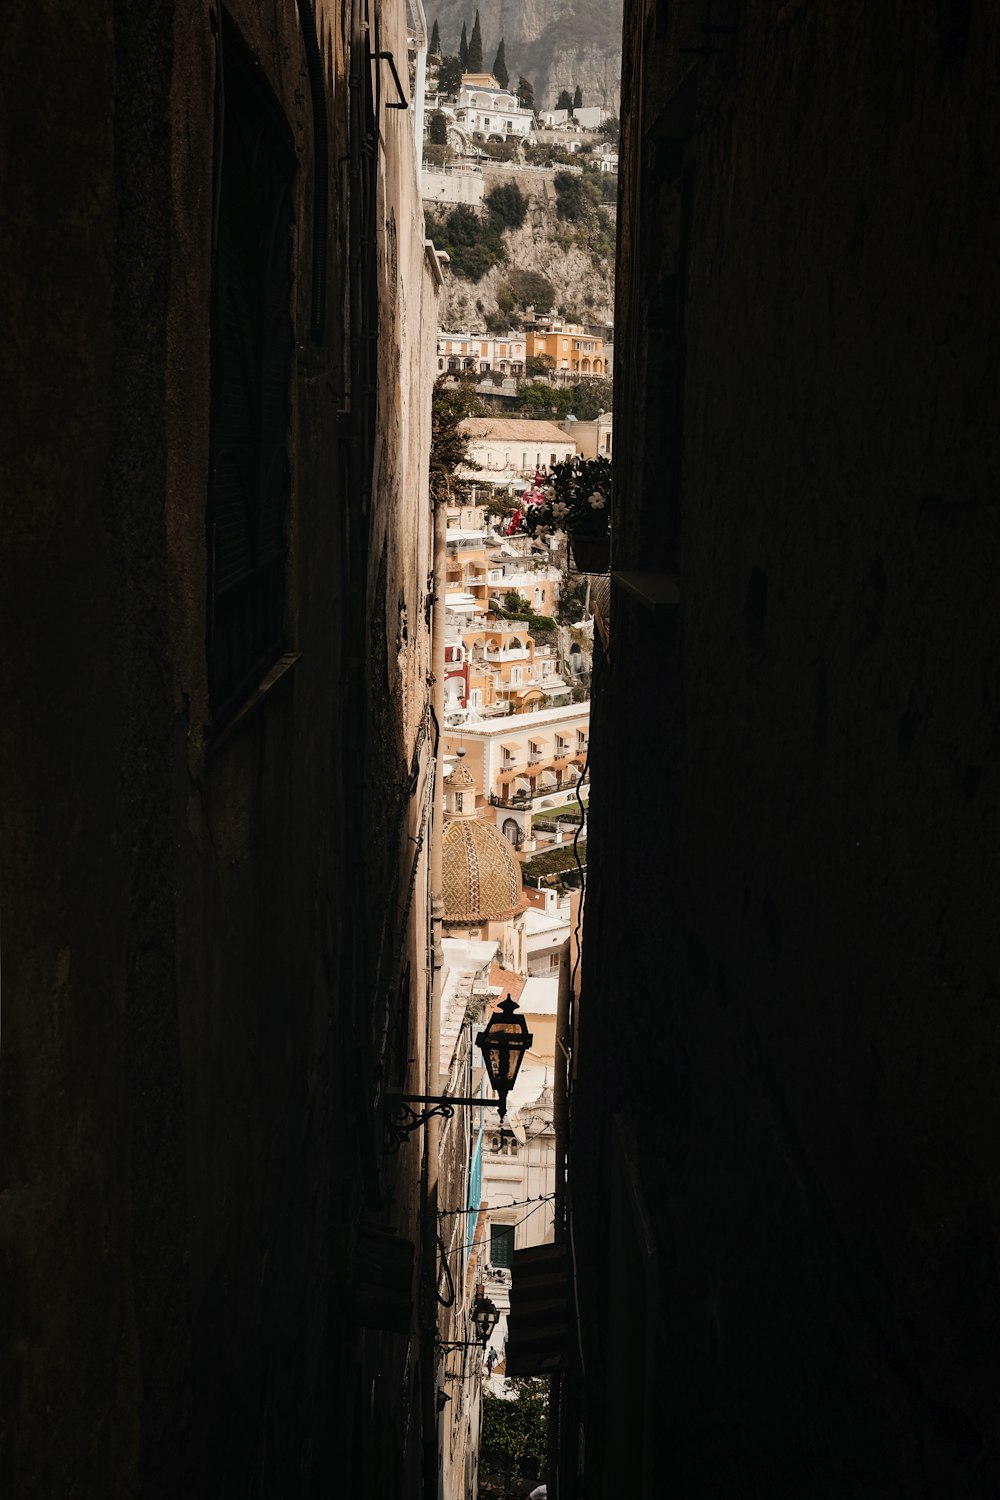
{"points": [[788, 1044], [213, 880]]}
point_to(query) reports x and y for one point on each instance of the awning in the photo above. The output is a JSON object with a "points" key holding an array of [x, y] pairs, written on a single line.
{"points": [[538, 1325]]}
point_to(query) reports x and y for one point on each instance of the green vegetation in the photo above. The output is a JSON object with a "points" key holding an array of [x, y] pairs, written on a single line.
{"points": [[554, 402], [475, 243], [450, 404], [514, 1439], [573, 201], [530, 289], [553, 816], [579, 200], [435, 47], [535, 624], [555, 861], [565, 100], [525, 94], [500, 72], [476, 47], [450, 76], [438, 129], [507, 205]]}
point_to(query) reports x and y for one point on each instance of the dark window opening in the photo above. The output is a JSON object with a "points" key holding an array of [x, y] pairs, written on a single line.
{"points": [[501, 1244], [252, 344]]}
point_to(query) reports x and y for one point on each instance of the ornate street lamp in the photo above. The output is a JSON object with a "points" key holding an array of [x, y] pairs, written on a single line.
{"points": [[503, 1043], [485, 1318]]}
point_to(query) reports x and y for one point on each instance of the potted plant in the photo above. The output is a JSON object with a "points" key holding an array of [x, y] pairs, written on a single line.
{"points": [[572, 497]]}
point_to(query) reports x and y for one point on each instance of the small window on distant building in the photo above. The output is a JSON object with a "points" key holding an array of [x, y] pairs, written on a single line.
{"points": [[501, 1244], [458, 801]]}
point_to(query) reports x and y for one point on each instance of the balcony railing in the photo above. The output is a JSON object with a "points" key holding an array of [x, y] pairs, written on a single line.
{"points": [[525, 800], [508, 653]]}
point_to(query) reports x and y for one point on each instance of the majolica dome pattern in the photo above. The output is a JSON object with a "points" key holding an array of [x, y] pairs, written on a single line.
{"points": [[460, 779], [480, 877]]}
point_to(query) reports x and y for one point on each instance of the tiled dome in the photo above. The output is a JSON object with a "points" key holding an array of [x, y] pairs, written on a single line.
{"points": [[459, 779], [480, 876]]}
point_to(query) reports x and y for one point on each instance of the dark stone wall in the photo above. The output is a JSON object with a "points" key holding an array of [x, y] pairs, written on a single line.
{"points": [[200, 951], [794, 946]]}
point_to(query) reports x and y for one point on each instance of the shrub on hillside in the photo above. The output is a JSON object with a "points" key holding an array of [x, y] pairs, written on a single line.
{"points": [[531, 289], [507, 205]]}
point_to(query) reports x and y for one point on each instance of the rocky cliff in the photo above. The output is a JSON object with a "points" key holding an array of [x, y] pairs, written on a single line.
{"points": [[556, 44], [581, 271]]}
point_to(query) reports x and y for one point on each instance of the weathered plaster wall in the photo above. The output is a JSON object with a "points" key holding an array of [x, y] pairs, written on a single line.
{"points": [[194, 1018], [794, 947]]}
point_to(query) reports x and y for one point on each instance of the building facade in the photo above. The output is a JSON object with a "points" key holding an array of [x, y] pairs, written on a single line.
{"points": [[568, 346], [483, 353], [214, 594], [507, 451], [785, 1145]]}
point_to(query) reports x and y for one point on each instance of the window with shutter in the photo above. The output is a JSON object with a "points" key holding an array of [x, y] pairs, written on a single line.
{"points": [[501, 1244], [252, 345]]}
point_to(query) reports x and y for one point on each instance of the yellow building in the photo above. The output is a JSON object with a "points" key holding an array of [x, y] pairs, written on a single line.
{"points": [[569, 347], [466, 569], [502, 667]]}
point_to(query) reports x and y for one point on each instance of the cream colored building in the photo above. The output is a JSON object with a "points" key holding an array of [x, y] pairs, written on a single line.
{"points": [[522, 763], [593, 438], [510, 449], [483, 353]]}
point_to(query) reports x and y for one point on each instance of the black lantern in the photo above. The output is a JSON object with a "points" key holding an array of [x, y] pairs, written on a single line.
{"points": [[484, 1319], [503, 1045]]}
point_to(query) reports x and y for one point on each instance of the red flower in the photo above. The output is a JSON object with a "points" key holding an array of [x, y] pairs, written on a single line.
{"points": [[515, 523]]}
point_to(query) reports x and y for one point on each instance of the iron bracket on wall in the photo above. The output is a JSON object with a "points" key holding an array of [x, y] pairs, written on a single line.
{"points": [[402, 102], [402, 1119]]}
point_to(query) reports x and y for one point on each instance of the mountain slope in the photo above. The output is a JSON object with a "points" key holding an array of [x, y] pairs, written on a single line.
{"points": [[555, 43]]}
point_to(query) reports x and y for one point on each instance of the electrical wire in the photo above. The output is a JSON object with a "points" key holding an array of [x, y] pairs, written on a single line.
{"points": [[518, 1203], [470, 1243]]}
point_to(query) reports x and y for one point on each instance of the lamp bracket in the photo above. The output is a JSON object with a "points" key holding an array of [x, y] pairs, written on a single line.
{"points": [[402, 1119]]}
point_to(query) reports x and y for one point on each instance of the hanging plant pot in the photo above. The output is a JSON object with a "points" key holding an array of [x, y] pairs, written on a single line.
{"points": [[592, 554]]}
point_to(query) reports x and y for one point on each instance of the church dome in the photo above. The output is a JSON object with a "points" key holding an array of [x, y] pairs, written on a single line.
{"points": [[459, 779], [481, 878]]}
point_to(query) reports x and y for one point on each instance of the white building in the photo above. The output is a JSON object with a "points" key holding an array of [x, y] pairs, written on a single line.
{"points": [[485, 111], [522, 763], [510, 449]]}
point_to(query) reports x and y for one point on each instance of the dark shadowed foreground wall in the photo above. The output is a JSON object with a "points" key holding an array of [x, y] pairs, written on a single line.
{"points": [[790, 1033], [209, 899]]}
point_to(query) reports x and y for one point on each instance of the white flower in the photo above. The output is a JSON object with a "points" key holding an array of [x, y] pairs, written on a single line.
{"points": [[597, 500], [559, 510], [548, 490]]}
